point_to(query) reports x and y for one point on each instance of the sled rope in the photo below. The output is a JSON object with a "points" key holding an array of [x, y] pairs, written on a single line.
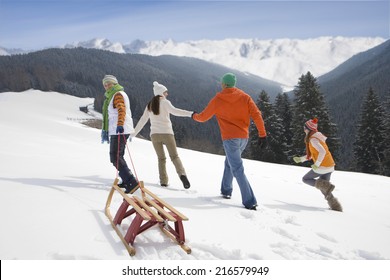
{"points": [[117, 158], [128, 151], [131, 159]]}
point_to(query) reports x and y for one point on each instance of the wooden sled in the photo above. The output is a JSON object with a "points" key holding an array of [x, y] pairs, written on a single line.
{"points": [[147, 211]]}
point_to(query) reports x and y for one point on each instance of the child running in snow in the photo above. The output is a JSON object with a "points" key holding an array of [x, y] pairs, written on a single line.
{"points": [[318, 151]]}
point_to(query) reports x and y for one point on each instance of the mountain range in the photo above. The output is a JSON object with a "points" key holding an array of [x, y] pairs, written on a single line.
{"points": [[280, 60], [79, 71]]}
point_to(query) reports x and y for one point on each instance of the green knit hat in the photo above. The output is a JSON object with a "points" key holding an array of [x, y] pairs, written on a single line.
{"points": [[229, 79]]}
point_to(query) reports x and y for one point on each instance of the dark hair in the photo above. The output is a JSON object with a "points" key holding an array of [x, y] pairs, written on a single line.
{"points": [[154, 105]]}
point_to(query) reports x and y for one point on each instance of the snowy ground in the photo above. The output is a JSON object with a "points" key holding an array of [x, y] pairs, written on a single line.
{"points": [[55, 176]]}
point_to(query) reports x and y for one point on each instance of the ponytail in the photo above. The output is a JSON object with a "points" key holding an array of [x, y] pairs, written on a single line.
{"points": [[154, 105]]}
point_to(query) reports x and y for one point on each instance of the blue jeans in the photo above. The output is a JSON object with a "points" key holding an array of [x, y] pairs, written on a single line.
{"points": [[235, 168]]}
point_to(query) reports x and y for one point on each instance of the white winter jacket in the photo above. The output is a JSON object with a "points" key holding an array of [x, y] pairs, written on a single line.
{"points": [[113, 116], [160, 124]]}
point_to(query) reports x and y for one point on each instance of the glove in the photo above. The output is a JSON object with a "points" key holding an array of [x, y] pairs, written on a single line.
{"points": [[262, 142], [119, 129], [297, 159], [315, 167], [105, 136]]}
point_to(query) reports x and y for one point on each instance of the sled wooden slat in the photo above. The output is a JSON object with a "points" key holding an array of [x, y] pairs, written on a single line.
{"points": [[171, 208], [132, 203], [183, 246], [150, 210], [130, 249], [160, 210]]}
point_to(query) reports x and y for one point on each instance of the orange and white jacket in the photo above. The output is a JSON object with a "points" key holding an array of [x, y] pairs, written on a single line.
{"points": [[119, 113], [320, 154]]}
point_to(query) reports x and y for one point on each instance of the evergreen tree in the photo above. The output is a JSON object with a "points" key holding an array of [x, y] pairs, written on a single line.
{"points": [[283, 110], [277, 147], [387, 136], [369, 145], [309, 103]]}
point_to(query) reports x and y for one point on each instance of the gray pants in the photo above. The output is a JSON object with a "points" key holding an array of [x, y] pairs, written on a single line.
{"points": [[159, 140], [310, 177]]}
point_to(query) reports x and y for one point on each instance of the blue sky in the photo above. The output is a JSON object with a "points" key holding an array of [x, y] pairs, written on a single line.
{"points": [[32, 24]]}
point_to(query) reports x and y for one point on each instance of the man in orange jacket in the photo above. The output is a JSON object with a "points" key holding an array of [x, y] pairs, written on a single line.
{"points": [[233, 109]]}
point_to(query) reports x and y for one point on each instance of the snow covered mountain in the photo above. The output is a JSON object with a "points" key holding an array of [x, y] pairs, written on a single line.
{"points": [[280, 60], [55, 177]]}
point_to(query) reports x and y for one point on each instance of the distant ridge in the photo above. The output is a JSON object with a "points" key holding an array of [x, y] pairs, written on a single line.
{"points": [[280, 60], [78, 71]]}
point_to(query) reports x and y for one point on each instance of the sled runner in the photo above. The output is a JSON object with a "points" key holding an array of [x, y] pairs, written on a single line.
{"points": [[147, 211]]}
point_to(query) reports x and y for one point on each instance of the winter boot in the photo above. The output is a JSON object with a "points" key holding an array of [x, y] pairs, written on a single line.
{"points": [[129, 182], [253, 207], [184, 180], [334, 204], [325, 187], [132, 185]]}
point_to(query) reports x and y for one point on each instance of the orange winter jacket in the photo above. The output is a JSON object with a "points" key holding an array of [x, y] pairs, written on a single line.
{"points": [[321, 156], [233, 109]]}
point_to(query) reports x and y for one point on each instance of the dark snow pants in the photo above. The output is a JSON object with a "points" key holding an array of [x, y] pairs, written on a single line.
{"points": [[117, 148]]}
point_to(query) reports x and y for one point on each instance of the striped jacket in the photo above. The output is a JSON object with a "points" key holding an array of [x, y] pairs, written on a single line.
{"points": [[119, 114]]}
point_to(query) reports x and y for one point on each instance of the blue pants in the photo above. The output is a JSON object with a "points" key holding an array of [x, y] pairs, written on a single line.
{"points": [[117, 148], [234, 168]]}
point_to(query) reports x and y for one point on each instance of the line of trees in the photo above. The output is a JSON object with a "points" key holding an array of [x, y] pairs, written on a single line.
{"points": [[285, 118], [284, 122], [372, 144]]}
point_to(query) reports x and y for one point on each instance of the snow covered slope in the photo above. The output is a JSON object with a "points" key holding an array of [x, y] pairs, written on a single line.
{"points": [[55, 176]]}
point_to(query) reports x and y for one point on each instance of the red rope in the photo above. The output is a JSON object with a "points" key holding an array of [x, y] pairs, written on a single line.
{"points": [[128, 151], [131, 159], [117, 158]]}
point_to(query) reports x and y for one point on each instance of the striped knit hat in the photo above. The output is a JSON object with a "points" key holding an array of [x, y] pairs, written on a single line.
{"points": [[110, 79], [312, 124]]}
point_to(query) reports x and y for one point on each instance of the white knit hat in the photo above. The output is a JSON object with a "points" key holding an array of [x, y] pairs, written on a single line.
{"points": [[158, 89], [110, 79]]}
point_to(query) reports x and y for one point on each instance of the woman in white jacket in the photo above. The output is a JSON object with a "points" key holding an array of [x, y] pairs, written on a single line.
{"points": [[158, 112]]}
